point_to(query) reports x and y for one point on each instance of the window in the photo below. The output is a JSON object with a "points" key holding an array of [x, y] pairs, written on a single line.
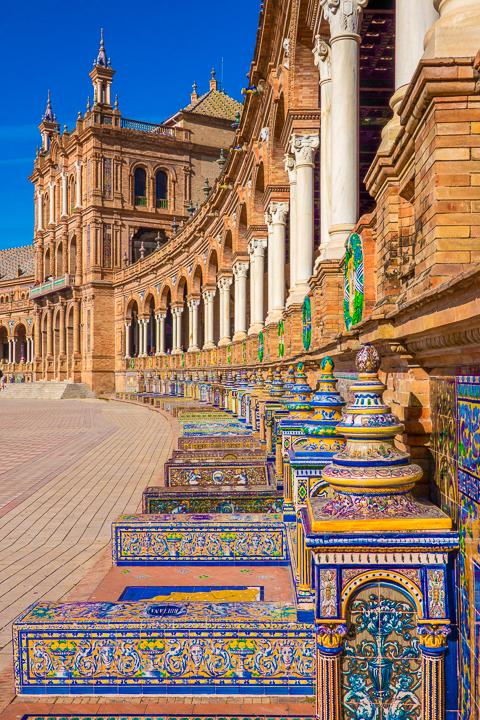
{"points": [[161, 190], [140, 187]]}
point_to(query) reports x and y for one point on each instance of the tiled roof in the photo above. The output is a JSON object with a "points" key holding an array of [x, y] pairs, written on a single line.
{"points": [[215, 104], [11, 258]]}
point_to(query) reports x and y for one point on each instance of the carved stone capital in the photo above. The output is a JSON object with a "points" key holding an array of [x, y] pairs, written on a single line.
{"points": [[224, 283], [322, 58], [279, 212], [257, 246], [193, 304], [268, 220], [240, 270], [331, 636], [208, 295], [291, 168], [343, 16], [304, 148]]}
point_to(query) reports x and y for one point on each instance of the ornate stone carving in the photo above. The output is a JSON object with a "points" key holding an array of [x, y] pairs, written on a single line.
{"points": [[290, 168], [344, 16], [286, 53], [268, 219], [240, 269], [257, 245], [331, 635], [304, 147], [265, 135], [279, 212], [224, 283], [208, 295], [322, 58]]}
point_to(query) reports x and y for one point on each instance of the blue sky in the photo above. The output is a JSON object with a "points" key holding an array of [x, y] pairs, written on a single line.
{"points": [[157, 49]]}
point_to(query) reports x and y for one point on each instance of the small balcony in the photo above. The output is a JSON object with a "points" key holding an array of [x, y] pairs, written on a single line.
{"points": [[162, 204], [51, 286], [140, 200]]}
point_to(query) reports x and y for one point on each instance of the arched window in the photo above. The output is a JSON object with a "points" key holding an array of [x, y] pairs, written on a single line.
{"points": [[140, 187], [161, 190]]}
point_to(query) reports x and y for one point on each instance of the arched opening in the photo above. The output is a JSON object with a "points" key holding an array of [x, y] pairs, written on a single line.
{"points": [[197, 289], [43, 330], [146, 241], [46, 265], [21, 344], [4, 344], [277, 169], [59, 260], [212, 271], [184, 329], [258, 209], [140, 187], [72, 256], [151, 326], [161, 189], [71, 197], [133, 330], [56, 341], [69, 341], [167, 305]]}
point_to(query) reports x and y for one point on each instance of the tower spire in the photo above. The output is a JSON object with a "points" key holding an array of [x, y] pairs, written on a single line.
{"points": [[49, 116], [102, 55]]}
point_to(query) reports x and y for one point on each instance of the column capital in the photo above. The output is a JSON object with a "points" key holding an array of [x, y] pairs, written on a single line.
{"points": [[291, 168], [64, 174], [128, 323], [78, 164], [304, 147], [240, 269], [257, 246], [433, 636], [51, 185], [268, 220], [193, 303], [279, 212], [209, 295], [224, 283], [331, 637], [344, 17], [161, 314], [322, 58]]}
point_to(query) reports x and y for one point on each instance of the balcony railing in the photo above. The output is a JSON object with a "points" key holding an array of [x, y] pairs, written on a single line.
{"points": [[148, 127], [162, 204], [139, 200], [51, 286]]}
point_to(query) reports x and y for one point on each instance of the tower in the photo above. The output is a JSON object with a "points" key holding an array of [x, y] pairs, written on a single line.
{"points": [[102, 76], [49, 125]]}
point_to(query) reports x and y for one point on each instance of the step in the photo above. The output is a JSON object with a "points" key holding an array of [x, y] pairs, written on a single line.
{"points": [[42, 390], [204, 539], [153, 647]]}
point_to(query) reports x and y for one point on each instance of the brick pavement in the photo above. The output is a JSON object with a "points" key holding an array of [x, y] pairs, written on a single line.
{"points": [[58, 505]]}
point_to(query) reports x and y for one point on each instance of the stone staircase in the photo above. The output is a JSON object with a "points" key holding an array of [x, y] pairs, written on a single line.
{"points": [[46, 391]]}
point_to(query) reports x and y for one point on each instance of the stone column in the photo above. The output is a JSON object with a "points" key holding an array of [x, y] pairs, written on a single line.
{"points": [[279, 211], [330, 641], [322, 60], [37, 336], [174, 329], [240, 274], [64, 194], [193, 325], [270, 280], [304, 148], [344, 17], [208, 297], [64, 255], [291, 169], [62, 330], [76, 327], [177, 325], [52, 203], [78, 168], [145, 337], [9, 351], [161, 334], [49, 331], [455, 34], [413, 19], [127, 339], [40, 210], [256, 249], [224, 287]]}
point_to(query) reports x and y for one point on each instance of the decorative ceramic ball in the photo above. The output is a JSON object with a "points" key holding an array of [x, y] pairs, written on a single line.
{"points": [[368, 359]]}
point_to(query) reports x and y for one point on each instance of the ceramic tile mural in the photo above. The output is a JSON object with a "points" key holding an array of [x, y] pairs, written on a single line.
{"points": [[168, 717], [154, 502], [201, 593], [455, 404], [187, 647], [198, 539], [236, 474]]}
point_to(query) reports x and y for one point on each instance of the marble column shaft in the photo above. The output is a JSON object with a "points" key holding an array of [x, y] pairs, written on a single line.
{"points": [[240, 273], [256, 249], [278, 211]]}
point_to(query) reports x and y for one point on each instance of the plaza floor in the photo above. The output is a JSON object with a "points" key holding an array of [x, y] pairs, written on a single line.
{"points": [[68, 469]]}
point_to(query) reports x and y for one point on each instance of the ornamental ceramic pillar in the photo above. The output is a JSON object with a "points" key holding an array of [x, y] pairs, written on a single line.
{"points": [[278, 211], [193, 325], [330, 641], [344, 17], [323, 62], [433, 644], [40, 210], [304, 147], [78, 201], [224, 287], [208, 297], [127, 340], [256, 249], [291, 169], [240, 275], [51, 220], [64, 194]]}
